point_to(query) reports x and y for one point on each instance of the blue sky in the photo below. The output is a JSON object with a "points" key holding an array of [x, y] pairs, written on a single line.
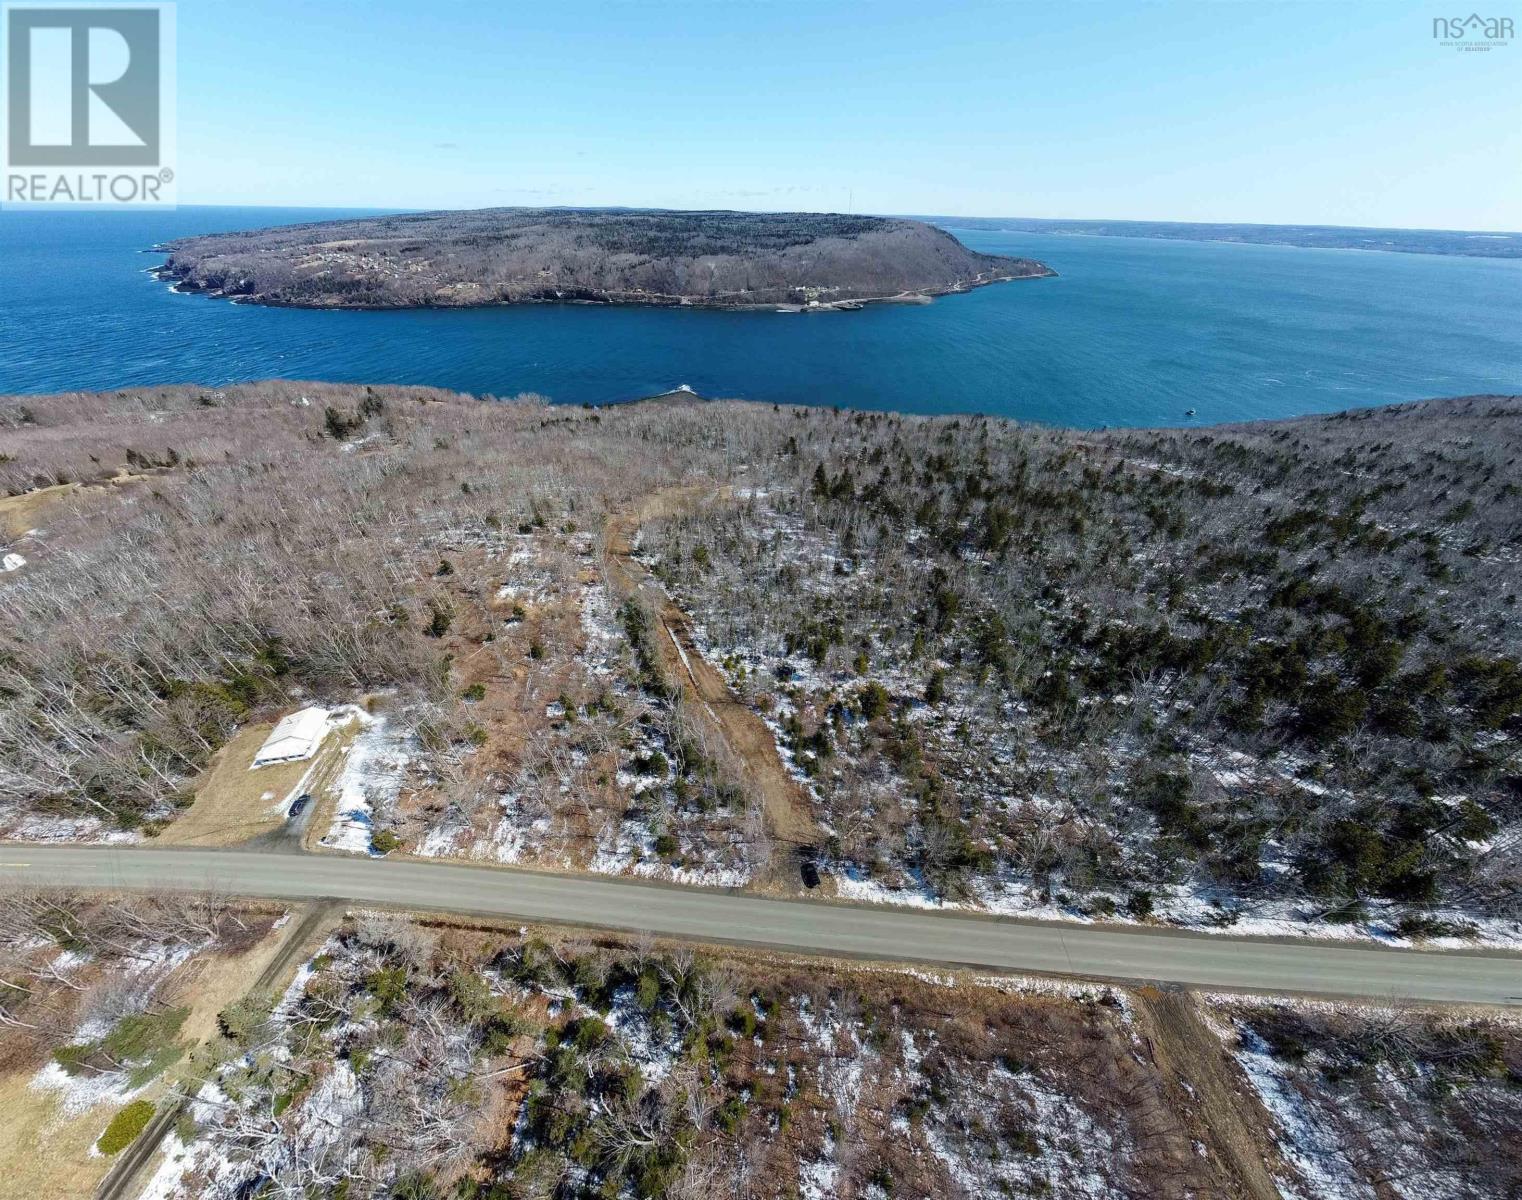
{"points": [[1315, 112]]}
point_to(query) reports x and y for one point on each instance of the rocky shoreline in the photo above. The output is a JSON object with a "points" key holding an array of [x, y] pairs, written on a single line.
{"points": [[186, 287]]}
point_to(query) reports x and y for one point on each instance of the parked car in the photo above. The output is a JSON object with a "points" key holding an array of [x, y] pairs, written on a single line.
{"points": [[300, 803]]}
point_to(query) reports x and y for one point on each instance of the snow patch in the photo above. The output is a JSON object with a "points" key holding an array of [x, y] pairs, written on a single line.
{"points": [[372, 774], [1306, 1141]]}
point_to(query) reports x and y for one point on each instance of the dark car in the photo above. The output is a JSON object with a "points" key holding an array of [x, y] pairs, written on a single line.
{"points": [[300, 803], [808, 868]]}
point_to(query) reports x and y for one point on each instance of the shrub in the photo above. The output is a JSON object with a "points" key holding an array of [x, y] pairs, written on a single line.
{"points": [[1421, 925], [340, 424], [730, 1114], [1139, 904], [241, 1020], [1493, 687], [1350, 913], [388, 985], [72, 1057], [125, 1126], [647, 990], [145, 1043], [415, 1185], [384, 841], [743, 1021], [591, 1033], [499, 1033], [1169, 796], [472, 995], [1023, 1141], [1330, 711], [874, 701]]}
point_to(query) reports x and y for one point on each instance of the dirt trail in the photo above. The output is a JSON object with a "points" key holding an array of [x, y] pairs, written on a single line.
{"points": [[788, 819], [19, 513], [1184, 1048]]}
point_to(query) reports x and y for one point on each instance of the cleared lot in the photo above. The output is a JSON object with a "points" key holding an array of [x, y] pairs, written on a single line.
{"points": [[234, 804]]}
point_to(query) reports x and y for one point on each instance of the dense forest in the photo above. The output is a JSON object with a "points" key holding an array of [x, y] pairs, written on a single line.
{"points": [[1167, 674], [626, 256], [1271, 658]]}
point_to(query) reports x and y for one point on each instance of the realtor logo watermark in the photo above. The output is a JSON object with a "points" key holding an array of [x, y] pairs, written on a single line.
{"points": [[89, 104], [1473, 32]]}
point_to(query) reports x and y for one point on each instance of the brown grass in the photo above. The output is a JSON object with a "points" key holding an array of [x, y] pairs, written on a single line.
{"points": [[46, 1153], [230, 799], [25, 511], [208, 983], [234, 804], [18, 514]]}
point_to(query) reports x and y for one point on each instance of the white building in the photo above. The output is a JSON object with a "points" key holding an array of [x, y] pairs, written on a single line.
{"points": [[297, 736]]}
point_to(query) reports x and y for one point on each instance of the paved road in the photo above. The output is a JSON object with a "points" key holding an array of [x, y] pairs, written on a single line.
{"points": [[892, 934]]}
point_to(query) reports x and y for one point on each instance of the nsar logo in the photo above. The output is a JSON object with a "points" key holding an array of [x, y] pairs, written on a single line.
{"points": [[1473, 32]]}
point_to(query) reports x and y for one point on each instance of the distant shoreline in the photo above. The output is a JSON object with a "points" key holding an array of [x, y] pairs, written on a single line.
{"points": [[1436, 243], [1440, 243]]}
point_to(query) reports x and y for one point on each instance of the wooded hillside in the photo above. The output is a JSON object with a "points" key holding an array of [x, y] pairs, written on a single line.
{"points": [[1206, 676], [625, 256]]}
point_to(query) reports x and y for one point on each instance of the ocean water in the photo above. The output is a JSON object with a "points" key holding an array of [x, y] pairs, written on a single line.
{"points": [[1132, 332]]}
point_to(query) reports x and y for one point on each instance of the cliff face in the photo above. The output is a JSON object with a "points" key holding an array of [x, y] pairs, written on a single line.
{"points": [[497, 256]]}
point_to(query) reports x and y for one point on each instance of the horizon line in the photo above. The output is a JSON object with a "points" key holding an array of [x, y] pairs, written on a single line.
{"points": [[921, 216]]}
